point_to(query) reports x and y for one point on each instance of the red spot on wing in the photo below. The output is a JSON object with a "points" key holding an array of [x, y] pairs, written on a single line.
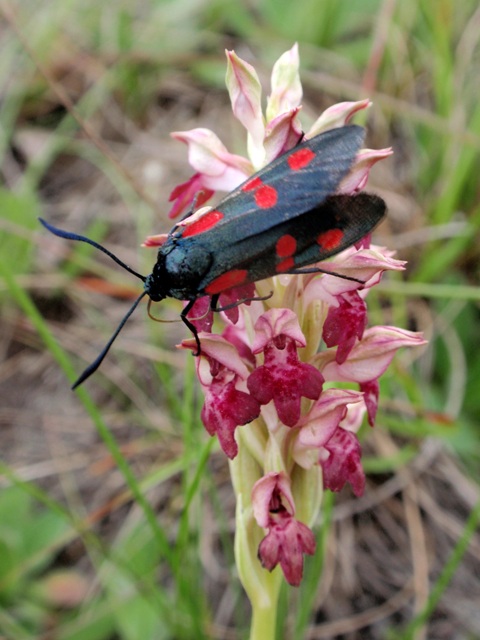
{"points": [[286, 246], [300, 159], [252, 184], [226, 281], [204, 223], [266, 196], [331, 239], [285, 265]]}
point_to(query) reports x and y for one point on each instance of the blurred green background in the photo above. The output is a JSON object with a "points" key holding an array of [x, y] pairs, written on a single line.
{"points": [[116, 516]]}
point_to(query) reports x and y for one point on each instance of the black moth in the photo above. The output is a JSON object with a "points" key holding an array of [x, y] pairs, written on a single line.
{"points": [[282, 219]]}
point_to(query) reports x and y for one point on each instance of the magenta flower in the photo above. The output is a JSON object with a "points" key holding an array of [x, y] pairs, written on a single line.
{"points": [[216, 169], [319, 425], [345, 324], [282, 378], [226, 406], [341, 462], [278, 366], [184, 194], [287, 539]]}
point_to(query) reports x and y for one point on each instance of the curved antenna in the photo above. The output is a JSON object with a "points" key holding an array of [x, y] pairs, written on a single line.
{"points": [[98, 361], [67, 235], [152, 317]]}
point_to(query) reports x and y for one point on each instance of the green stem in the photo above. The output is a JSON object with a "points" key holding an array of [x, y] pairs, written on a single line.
{"points": [[264, 621]]}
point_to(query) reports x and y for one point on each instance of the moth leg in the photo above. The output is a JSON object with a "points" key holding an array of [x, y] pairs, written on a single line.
{"points": [[190, 325], [227, 307], [301, 138], [193, 205], [214, 301], [302, 271]]}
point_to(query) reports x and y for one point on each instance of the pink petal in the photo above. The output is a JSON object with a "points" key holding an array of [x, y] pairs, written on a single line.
{"points": [[155, 241], [341, 463], [271, 488], [371, 391], [184, 194], [276, 322], [363, 264], [285, 544], [321, 422], [285, 380], [354, 418], [218, 349], [282, 134], [345, 324], [327, 288], [358, 175], [370, 358], [224, 410], [219, 169], [237, 336], [245, 95], [241, 294], [200, 315], [286, 91], [287, 539], [228, 181], [337, 115]]}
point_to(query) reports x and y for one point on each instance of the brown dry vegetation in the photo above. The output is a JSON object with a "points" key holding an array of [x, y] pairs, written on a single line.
{"points": [[383, 551]]}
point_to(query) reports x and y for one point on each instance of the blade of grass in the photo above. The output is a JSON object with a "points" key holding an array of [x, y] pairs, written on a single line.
{"points": [[448, 572], [26, 304]]}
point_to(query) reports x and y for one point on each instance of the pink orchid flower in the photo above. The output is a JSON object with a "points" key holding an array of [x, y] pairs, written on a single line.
{"points": [[277, 367]]}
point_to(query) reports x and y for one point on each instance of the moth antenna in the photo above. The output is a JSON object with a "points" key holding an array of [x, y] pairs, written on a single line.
{"points": [[67, 235], [98, 361], [152, 317]]}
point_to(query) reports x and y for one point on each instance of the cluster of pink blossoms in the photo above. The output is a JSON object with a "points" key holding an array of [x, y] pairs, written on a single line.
{"points": [[277, 401]]}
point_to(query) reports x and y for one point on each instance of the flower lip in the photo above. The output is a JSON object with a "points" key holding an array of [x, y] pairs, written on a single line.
{"points": [[276, 322]]}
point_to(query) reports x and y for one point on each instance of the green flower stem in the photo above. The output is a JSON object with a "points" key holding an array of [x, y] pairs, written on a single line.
{"points": [[261, 587], [264, 620]]}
